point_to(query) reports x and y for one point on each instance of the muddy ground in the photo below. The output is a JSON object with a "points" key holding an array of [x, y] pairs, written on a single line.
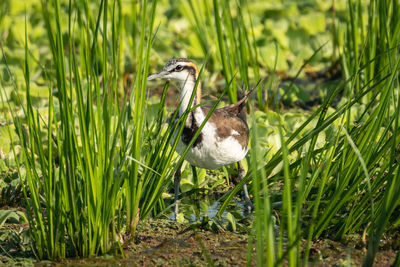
{"points": [[167, 243]]}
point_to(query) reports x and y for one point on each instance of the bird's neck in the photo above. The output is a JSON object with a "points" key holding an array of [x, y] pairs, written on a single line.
{"points": [[186, 92]]}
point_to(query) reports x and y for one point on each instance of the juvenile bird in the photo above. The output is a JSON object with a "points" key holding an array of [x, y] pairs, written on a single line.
{"points": [[225, 136]]}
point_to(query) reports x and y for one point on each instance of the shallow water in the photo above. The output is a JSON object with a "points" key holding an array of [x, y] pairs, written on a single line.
{"points": [[195, 209]]}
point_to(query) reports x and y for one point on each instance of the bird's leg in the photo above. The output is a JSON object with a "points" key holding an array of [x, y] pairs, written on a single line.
{"points": [[248, 203], [195, 178], [177, 181]]}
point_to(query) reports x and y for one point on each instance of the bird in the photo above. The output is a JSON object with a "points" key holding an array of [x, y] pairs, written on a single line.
{"points": [[223, 140]]}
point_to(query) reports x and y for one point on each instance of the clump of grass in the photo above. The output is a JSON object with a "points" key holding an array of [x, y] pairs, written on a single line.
{"points": [[75, 160], [349, 183], [343, 187], [71, 170]]}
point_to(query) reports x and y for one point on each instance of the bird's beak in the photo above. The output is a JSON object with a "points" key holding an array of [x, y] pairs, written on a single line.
{"points": [[156, 75]]}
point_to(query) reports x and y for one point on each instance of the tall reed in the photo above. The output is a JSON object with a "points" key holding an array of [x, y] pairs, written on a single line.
{"points": [[138, 100]]}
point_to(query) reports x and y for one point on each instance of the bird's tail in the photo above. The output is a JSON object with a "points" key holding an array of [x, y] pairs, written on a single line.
{"points": [[242, 97], [239, 108]]}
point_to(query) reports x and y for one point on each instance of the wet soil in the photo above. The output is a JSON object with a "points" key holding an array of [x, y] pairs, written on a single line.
{"points": [[330, 253], [167, 243]]}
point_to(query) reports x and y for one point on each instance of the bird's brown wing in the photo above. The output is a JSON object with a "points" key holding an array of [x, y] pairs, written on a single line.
{"points": [[225, 122]]}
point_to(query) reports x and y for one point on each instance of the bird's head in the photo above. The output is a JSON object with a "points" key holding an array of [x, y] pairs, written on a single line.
{"points": [[180, 69]]}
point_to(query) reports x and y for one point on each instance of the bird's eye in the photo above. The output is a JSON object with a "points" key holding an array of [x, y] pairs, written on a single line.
{"points": [[178, 68]]}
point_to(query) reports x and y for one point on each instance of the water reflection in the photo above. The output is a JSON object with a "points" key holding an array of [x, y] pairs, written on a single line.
{"points": [[197, 208]]}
